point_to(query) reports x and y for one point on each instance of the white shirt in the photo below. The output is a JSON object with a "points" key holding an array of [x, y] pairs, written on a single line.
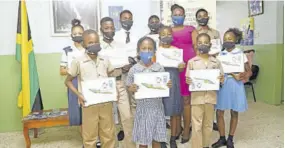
{"points": [[113, 45], [118, 49], [236, 50], [121, 36], [70, 55]]}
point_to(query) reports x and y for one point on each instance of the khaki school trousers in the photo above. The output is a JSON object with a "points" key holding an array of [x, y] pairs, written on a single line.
{"points": [[202, 125], [98, 121], [126, 116]]}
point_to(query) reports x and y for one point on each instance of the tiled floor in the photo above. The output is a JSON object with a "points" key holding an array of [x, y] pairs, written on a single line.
{"points": [[262, 126]]}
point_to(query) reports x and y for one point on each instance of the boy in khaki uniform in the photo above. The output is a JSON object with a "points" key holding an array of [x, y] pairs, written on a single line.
{"points": [[108, 43], [203, 102], [96, 119]]}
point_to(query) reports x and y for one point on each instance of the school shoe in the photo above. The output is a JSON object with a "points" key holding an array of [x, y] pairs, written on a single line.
{"points": [[219, 143], [186, 140], [163, 145], [180, 133], [173, 142], [98, 145], [230, 144], [121, 136]]}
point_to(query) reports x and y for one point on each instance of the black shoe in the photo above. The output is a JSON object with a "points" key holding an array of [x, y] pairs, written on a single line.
{"points": [[121, 136], [230, 144], [215, 127], [178, 136], [219, 143], [98, 145], [163, 145], [186, 140], [173, 142], [167, 126]]}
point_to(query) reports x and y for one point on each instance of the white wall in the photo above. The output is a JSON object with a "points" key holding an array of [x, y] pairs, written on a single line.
{"points": [[268, 26], [39, 17]]}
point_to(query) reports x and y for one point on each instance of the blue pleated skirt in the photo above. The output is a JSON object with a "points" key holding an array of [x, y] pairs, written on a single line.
{"points": [[232, 96], [74, 109]]}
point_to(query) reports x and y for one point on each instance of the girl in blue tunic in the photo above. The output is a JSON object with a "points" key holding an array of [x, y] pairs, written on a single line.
{"points": [[173, 105], [232, 95], [69, 53]]}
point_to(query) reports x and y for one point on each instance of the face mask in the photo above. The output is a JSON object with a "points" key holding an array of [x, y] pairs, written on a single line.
{"points": [[166, 40], [204, 49], [229, 45], [127, 24], [146, 57], [77, 39], [178, 20], [108, 35], [154, 27], [203, 21], [93, 49]]}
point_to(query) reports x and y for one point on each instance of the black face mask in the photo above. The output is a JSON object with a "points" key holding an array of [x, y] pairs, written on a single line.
{"points": [[203, 21], [166, 40], [229, 45], [203, 49], [77, 39], [154, 27], [93, 49], [108, 35], [127, 24]]}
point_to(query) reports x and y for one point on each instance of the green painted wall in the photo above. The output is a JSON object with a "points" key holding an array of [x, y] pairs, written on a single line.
{"points": [[270, 80], [268, 86], [52, 88]]}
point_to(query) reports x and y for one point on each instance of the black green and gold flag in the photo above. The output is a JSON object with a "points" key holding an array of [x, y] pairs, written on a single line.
{"points": [[29, 98]]}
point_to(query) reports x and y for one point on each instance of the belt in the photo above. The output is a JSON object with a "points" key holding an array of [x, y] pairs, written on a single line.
{"points": [[119, 78]]}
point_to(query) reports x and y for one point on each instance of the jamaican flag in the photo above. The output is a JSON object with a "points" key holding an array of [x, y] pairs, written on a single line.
{"points": [[29, 98]]}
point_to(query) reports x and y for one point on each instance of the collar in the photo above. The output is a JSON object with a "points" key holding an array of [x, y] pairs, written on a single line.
{"points": [[211, 59], [234, 51], [88, 59], [123, 30], [199, 28], [106, 45], [73, 47]]}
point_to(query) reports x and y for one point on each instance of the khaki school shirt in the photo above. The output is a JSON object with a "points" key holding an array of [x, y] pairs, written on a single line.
{"points": [[87, 69], [203, 97], [214, 34]]}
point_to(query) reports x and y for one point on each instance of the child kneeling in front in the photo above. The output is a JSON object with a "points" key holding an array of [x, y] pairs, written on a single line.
{"points": [[203, 102], [149, 125], [97, 120]]}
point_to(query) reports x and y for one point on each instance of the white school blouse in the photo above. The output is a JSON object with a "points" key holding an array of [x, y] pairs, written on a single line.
{"points": [[74, 53]]}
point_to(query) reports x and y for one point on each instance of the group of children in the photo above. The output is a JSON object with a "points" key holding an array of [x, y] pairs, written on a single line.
{"points": [[148, 126]]}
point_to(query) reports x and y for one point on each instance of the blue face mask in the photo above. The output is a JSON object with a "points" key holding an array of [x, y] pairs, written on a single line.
{"points": [[146, 57], [178, 20]]}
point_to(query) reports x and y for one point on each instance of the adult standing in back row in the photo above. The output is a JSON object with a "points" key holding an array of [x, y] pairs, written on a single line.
{"points": [[184, 37]]}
